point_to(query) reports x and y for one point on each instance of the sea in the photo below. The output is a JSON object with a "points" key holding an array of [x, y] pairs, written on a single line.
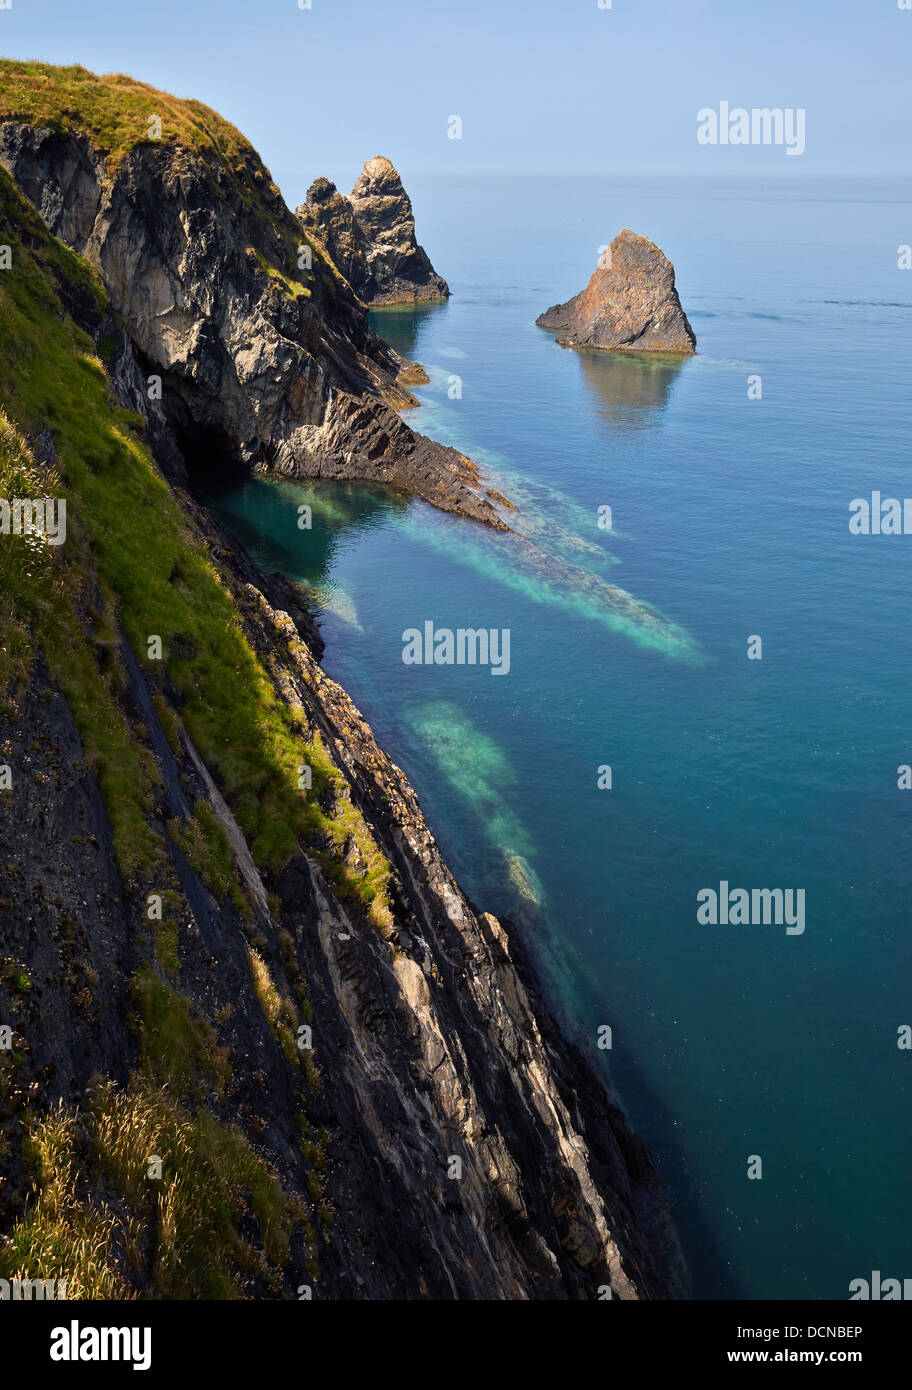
{"points": [[709, 683]]}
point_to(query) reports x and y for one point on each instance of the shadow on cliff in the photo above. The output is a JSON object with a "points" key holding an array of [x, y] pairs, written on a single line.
{"points": [[208, 456]]}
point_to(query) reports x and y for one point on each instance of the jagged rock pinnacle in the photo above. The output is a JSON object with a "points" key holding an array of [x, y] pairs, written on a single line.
{"points": [[370, 236]]}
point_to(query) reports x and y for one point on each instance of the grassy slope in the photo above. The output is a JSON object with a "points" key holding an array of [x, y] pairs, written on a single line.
{"points": [[132, 562], [114, 110], [127, 535]]}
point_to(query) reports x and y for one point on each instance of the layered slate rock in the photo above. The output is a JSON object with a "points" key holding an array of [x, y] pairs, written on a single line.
{"points": [[629, 305], [370, 237]]}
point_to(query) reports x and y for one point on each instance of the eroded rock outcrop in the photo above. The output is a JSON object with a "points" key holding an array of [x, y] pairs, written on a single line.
{"points": [[370, 236], [629, 305], [264, 360]]}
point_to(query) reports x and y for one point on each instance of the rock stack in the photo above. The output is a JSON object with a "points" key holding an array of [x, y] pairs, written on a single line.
{"points": [[370, 237], [629, 305]]}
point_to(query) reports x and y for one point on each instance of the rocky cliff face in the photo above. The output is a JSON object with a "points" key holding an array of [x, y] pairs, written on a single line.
{"points": [[229, 940], [370, 236], [630, 304], [445, 1141], [264, 356]]}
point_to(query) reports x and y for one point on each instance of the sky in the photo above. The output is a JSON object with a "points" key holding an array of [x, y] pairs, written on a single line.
{"points": [[539, 87]]}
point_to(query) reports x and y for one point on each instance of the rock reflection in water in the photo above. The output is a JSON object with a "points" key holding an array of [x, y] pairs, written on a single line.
{"points": [[628, 390]]}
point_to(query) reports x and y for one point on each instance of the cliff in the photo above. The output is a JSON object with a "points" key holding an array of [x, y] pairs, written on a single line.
{"points": [[254, 1040], [263, 354], [629, 305], [370, 236]]}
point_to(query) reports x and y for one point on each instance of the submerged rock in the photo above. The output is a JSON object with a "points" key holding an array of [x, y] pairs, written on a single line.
{"points": [[370, 237], [629, 305]]}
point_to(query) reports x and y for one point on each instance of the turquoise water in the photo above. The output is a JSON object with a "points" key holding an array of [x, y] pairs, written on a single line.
{"points": [[629, 648]]}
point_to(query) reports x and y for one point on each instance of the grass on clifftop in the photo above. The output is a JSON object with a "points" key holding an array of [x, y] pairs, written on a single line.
{"points": [[113, 109]]}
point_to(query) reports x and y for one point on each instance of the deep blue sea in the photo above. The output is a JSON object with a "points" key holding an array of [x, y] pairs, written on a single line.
{"points": [[730, 521]]}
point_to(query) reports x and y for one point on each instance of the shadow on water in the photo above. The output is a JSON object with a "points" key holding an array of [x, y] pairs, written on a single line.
{"points": [[400, 325], [478, 772], [576, 998], [629, 391], [579, 1016], [265, 515]]}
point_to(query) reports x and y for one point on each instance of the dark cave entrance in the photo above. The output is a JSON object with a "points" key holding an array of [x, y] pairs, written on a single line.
{"points": [[210, 458]]}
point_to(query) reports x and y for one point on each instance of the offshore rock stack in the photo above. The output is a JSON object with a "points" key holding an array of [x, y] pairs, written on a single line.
{"points": [[629, 305], [370, 236]]}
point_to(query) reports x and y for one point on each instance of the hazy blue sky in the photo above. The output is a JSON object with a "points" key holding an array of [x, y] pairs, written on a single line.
{"points": [[539, 86]]}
